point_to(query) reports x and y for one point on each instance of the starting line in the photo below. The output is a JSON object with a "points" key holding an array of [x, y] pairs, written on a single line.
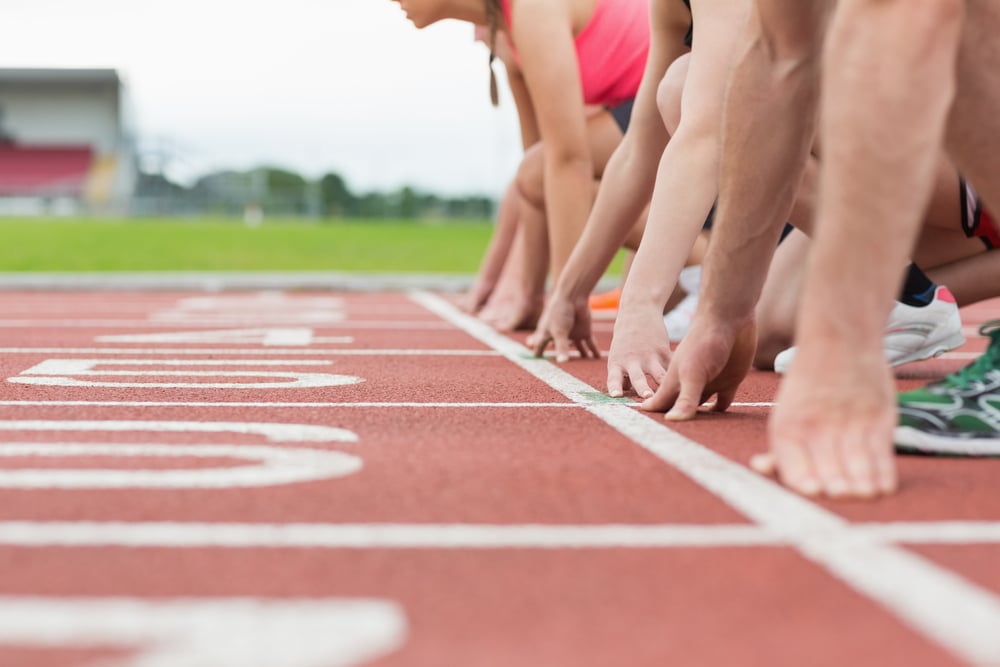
{"points": [[475, 536], [954, 612]]}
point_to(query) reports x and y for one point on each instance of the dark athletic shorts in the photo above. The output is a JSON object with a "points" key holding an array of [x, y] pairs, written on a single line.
{"points": [[689, 38], [622, 113], [976, 221]]}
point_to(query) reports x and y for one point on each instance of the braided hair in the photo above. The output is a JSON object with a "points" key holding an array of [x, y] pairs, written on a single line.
{"points": [[493, 10]]}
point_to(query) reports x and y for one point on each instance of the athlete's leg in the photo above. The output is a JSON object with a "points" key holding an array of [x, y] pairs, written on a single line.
{"points": [[497, 253], [779, 301], [974, 125], [832, 429]]}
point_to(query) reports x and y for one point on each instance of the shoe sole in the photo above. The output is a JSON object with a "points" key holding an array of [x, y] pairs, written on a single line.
{"points": [[933, 350], [909, 439]]}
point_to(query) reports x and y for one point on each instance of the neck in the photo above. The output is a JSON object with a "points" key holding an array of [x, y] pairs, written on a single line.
{"points": [[473, 11]]}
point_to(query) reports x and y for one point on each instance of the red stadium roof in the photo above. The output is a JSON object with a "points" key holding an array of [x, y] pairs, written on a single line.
{"points": [[43, 170]]}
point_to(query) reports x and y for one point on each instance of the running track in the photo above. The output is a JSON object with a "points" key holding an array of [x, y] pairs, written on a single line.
{"points": [[261, 479]]}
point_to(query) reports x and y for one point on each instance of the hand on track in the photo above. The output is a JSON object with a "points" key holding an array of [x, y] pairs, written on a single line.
{"points": [[562, 324], [831, 433], [639, 348], [712, 360]]}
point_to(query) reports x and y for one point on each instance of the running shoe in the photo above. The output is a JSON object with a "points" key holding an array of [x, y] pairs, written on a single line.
{"points": [[607, 300], [913, 333], [960, 415], [678, 320]]}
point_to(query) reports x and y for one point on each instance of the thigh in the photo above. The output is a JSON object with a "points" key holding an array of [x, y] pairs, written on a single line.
{"points": [[974, 125], [603, 137], [718, 25]]}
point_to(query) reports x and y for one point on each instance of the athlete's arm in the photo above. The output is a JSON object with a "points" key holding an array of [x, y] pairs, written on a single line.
{"points": [[543, 33], [628, 180]]}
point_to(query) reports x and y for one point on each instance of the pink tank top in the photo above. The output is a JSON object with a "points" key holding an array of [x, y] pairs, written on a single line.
{"points": [[611, 50]]}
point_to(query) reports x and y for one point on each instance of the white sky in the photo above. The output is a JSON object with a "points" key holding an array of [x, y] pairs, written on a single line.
{"points": [[314, 85]]}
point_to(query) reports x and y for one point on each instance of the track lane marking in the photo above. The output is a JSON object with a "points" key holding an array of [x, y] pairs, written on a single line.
{"points": [[377, 536], [276, 404], [64, 373], [956, 613], [268, 466], [111, 323], [194, 535], [186, 632], [274, 351]]}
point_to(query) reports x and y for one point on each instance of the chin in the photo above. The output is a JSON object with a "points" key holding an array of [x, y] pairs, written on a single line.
{"points": [[421, 22]]}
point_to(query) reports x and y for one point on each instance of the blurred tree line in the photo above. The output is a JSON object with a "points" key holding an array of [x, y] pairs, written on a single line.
{"points": [[272, 191]]}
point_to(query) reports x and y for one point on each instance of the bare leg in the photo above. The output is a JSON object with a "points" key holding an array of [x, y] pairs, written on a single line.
{"points": [[779, 302], [496, 254], [974, 125], [833, 426]]}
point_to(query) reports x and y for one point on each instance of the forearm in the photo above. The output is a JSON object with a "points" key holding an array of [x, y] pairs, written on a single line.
{"points": [[683, 196], [767, 130], [569, 188], [623, 194]]}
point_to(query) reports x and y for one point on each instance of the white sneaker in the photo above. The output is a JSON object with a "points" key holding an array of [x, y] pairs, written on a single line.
{"points": [[913, 334], [678, 320]]}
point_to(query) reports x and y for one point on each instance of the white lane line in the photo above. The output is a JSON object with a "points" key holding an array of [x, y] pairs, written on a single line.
{"points": [[112, 323], [304, 404], [464, 536], [753, 405], [378, 536], [50, 366], [274, 351], [959, 615], [939, 532]]}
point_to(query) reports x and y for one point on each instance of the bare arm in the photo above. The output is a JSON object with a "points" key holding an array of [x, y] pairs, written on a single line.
{"points": [[628, 179], [543, 33], [767, 131]]}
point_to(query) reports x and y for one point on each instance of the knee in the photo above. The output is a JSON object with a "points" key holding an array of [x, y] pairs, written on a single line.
{"points": [[530, 178], [791, 35], [769, 345], [670, 92]]}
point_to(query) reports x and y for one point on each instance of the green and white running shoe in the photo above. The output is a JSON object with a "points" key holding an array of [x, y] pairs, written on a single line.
{"points": [[960, 415]]}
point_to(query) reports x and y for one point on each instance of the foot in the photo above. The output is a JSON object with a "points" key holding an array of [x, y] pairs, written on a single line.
{"points": [[678, 320], [913, 334], [959, 415], [606, 300]]}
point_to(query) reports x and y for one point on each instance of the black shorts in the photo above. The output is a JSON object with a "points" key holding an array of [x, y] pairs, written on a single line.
{"points": [[976, 222], [622, 113], [689, 38]]}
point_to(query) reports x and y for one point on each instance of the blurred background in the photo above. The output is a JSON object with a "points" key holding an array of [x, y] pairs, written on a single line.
{"points": [[251, 110]]}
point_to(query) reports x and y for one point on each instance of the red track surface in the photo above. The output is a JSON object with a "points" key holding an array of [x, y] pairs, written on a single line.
{"points": [[460, 506]]}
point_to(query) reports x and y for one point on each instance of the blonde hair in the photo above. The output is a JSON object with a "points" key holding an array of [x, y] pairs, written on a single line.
{"points": [[493, 10]]}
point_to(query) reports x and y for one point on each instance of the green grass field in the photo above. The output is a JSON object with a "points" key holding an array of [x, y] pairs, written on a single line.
{"points": [[229, 245]]}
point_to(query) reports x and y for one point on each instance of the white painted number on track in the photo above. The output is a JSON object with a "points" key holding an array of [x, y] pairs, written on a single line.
{"points": [[263, 307], [275, 466], [210, 633], [64, 373], [272, 466], [291, 337]]}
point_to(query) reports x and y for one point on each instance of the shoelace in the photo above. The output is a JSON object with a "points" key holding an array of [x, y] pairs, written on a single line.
{"points": [[977, 370]]}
